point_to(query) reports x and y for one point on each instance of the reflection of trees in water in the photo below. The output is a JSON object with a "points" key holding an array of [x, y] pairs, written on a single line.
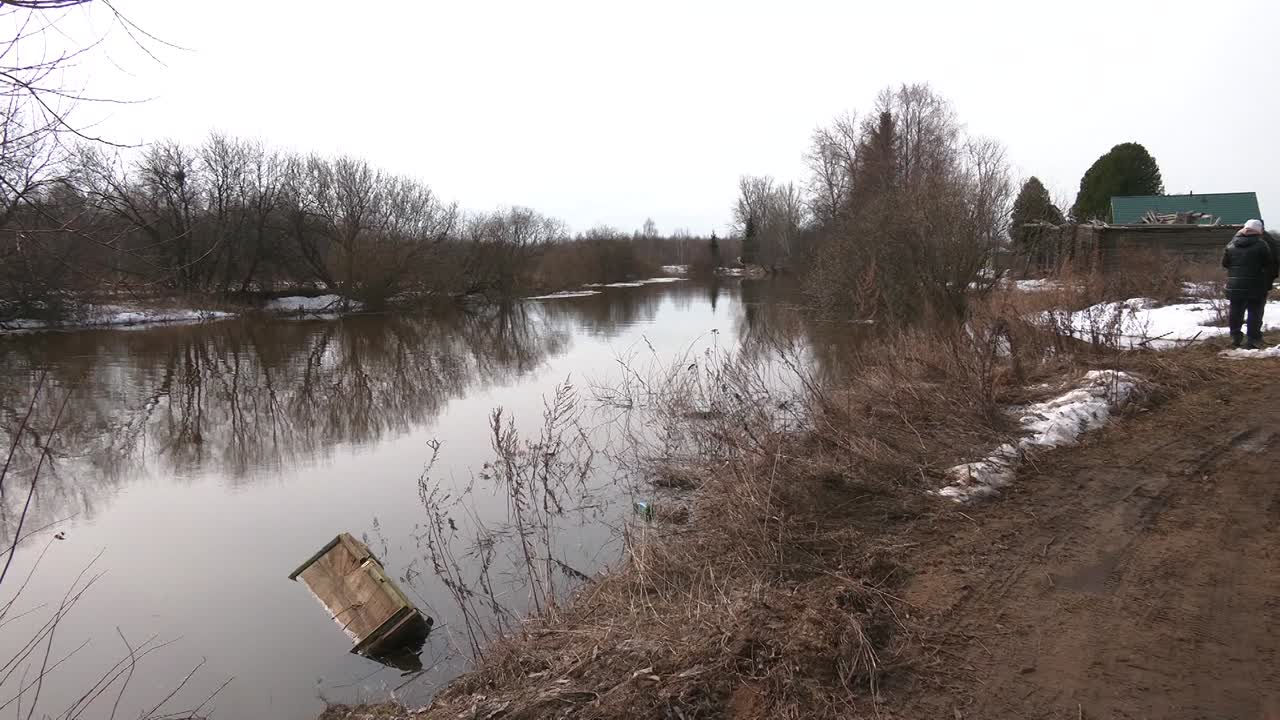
{"points": [[241, 396], [244, 395], [773, 319], [768, 316], [611, 311]]}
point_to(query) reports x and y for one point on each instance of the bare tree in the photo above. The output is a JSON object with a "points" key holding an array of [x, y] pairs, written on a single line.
{"points": [[924, 209], [36, 105], [650, 229], [832, 160], [503, 245], [775, 213]]}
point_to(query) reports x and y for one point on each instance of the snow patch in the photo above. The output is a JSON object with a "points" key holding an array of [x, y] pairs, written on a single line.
{"points": [[1143, 322], [675, 269], [89, 316], [1056, 422], [565, 294], [1243, 354], [299, 305], [1202, 289], [634, 283], [1038, 285]]}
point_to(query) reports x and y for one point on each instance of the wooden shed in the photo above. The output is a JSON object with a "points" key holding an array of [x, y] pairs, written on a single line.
{"points": [[1108, 246], [369, 607]]}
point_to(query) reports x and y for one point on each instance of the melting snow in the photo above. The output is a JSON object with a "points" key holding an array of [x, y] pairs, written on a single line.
{"points": [[1242, 354], [633, 283], [298, 304], [1202, 289], [675, 269], [1040, 285], [565, 294], [1141, 322], [117, 316], [1053, 423]]}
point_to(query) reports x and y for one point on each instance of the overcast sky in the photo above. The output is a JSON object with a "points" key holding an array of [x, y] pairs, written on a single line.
{"points": [[611, 112]]}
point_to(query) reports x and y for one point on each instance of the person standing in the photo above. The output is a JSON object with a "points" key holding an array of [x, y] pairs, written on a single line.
{"points": [[1251, 268]]}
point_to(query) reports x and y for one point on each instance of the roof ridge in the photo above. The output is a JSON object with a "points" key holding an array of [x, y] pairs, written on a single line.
{"points": [[1238, 192]]}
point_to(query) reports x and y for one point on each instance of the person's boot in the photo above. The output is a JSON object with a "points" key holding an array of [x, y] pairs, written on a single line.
{"points": [[1256, 344], [1237, 339]]}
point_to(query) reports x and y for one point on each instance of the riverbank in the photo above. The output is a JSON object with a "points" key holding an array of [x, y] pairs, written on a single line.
{"points": [[85, 312], [257, 414], [78, 314], [817, 573], [226, 425]]}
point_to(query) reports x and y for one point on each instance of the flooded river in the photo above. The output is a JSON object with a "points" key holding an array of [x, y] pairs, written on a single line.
{"points": [[195, 466]]}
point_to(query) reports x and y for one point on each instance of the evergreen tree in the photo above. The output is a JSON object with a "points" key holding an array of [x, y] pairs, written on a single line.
{"points": [[881, 153], [877, 170], [1033, 204], [750, 242], [715, 250], [1127, 169]]}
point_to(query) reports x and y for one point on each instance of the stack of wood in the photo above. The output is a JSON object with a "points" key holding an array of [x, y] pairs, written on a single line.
{"points": [[1181, 218]]}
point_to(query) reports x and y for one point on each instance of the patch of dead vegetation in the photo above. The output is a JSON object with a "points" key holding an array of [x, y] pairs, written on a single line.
{"points": [[785, 612], [371, 711], [775, 596], [773, 592]]}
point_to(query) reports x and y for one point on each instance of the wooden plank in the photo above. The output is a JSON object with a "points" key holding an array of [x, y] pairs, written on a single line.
{"points": [[349, 582], [294, 575], [405, 628]]}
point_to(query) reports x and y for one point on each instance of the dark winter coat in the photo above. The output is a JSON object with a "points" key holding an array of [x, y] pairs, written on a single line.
{"points": [[1251, 267], [1273, 242]]}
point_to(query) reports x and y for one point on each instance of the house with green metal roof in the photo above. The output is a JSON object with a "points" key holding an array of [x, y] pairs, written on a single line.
{"points": [[1191, 209]]}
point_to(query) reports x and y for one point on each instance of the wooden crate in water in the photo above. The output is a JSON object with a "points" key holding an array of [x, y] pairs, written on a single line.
{"points": [[349, 581]]}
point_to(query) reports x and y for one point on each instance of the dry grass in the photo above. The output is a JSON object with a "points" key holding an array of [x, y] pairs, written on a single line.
{"points": [[773, 593], [759, 593], [372, 711]]}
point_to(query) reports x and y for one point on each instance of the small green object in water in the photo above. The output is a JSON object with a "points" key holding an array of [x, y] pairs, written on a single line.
{"points": [[645, 509]]}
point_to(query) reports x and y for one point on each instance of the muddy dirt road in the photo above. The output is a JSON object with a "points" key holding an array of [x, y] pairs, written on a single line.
{"points": [[1135, 577]]}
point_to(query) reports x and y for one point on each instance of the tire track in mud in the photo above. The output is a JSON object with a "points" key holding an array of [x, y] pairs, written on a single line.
{"points": [[1137, 576]]}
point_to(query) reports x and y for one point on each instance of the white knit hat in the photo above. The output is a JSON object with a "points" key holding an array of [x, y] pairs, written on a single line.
{"points": [[1253, 227]]}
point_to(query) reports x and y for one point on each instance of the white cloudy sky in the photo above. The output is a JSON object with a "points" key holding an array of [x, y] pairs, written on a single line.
{"points": [[611, 112]]}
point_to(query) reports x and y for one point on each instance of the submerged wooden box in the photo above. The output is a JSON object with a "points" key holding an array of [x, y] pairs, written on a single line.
{"points": [[349, 581]]}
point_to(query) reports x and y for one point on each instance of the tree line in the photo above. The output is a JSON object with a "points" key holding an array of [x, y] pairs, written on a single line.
{"points": [[234, 216], [899, 215]]}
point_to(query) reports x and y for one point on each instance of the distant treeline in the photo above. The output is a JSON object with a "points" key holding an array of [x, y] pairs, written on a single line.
{"points": [[898, 218], [233, 216]]}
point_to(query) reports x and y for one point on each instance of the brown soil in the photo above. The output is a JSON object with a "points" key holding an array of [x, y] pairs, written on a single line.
{"points": [[1135, 577]]}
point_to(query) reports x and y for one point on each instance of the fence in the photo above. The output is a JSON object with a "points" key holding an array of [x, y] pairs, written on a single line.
{"points": [[1048, 246]]}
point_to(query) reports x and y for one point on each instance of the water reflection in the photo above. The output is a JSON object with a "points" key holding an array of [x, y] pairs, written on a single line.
{"points": [[241, 443], [613, 310], [713, 292], [773, 321], [245, 397]]}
